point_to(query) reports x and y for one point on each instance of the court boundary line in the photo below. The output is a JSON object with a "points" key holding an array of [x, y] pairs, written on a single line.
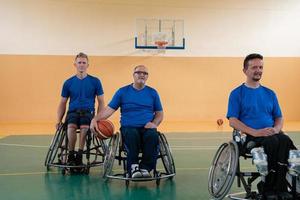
{"points": [[58, 172], [26, 173], [172, 147], [23, 145]]}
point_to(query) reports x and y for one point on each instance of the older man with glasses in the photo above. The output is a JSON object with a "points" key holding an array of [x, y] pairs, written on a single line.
{"points": [[141, 113]]}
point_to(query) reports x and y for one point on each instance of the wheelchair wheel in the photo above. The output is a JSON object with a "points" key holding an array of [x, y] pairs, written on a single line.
{"points": [[166, 156], [223, 170], [55, 144], [110, 155], [100, 143]]}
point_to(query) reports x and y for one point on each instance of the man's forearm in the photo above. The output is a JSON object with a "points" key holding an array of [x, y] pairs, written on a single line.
{"points": [[158, 118], [61, 112], [278, 124], [237, 124], [104, 113]]}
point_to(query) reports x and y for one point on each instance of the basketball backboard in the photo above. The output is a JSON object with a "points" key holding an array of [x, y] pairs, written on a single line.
{"points": [[159, 34]]}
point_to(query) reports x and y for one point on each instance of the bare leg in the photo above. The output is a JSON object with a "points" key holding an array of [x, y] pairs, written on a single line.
{"points": [[82, 136], [83, 131], [72, 137]]}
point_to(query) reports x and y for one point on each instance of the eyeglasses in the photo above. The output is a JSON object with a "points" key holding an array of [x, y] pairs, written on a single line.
{"points": [[141, 72]]}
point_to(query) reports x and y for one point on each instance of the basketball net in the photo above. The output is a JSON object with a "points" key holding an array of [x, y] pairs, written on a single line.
{"points": [[161, 44], [160, 40]]}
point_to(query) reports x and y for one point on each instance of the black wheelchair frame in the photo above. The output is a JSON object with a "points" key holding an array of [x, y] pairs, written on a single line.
{"points": [[116, 151], [59, 150], [223, 171], [220, 182]]}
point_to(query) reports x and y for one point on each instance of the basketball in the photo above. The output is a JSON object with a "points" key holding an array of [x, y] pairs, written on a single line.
{"points": [[220, 122], [106, 128]]}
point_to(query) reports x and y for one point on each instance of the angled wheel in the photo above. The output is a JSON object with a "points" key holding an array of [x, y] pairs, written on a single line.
{"points": [[166, 155], [55, 144], [294, 181], [223, 170], [110, 154], [100, 143]]}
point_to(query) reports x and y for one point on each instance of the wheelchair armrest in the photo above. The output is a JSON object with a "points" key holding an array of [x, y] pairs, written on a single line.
{"points": [[238, 136], [244, 147]]}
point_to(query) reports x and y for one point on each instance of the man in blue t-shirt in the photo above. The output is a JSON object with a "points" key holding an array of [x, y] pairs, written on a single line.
{"points": [[253, 109], [81, 89], [141, 113]]}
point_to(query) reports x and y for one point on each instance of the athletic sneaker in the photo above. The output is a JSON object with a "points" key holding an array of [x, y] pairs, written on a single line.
{"points": [[78, 160], [135, 171], [285, 196], [71, 159], [145, 173]]}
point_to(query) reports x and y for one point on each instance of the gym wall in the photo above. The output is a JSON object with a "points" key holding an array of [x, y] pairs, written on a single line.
{"points": [[40, 38]]}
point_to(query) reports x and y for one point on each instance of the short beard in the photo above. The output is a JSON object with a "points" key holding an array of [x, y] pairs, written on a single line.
{"points": [[256, 79]]}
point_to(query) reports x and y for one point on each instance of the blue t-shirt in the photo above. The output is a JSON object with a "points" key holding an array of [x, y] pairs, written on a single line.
{"points": [[137, 106], [82, 92], [257, 108]]}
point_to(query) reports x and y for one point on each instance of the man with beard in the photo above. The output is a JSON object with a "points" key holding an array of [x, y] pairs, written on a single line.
{"points": [[254, 110], [141, 113]]}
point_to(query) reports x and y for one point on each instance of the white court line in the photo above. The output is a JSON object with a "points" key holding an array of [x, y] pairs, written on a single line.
{"points": [[23, 145], [27, 173], [36, 173], [199, 138], [196, 146], [237, 193], [172, 147]]}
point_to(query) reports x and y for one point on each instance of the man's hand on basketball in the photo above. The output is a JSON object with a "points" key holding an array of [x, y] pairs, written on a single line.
{"points": [[94, 127], [150, 125]]}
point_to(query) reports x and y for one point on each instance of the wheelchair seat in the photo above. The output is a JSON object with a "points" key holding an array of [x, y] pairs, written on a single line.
{"points": [[116, 151], [58, 152]]}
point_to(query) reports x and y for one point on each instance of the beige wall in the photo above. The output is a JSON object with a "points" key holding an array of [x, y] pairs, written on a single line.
{"points": [[40, 37], [190, 88], [107, 27]]}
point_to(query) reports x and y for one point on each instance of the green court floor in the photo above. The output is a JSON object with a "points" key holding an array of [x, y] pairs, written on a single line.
{"points": [[23, 175]]}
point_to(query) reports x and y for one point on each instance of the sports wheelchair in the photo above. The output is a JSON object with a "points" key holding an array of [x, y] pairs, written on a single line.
{"points": [[116, 150], [58, 152], [226, 165]]}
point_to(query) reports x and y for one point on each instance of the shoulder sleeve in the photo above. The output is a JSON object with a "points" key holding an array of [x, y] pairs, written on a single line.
{"points": [[116, 100], [65, 89], [234, 104], [99, 88]]}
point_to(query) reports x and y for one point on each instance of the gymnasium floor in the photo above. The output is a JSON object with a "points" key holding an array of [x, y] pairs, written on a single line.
{"points": [[23, 176]]}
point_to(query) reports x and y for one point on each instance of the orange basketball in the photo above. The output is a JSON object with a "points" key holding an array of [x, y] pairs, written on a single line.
{"points": [[106, 128], [220, 122]]}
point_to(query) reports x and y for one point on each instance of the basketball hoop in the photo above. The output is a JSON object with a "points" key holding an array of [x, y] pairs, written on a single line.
{"points": [[161, 44], [160, 40]]}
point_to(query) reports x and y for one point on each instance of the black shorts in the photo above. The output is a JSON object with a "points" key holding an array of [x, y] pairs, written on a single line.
{"points": [[80, 117]]}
